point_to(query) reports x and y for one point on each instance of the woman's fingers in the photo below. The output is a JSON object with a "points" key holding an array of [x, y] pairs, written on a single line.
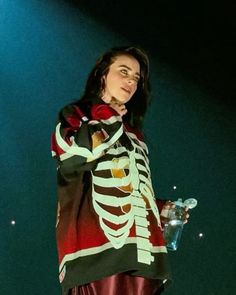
{"points": [[186, 216], [169, 205], [119, 108], [166, 209]]}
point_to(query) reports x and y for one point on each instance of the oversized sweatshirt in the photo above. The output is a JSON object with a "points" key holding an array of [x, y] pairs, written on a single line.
{"points": [[108, 217]]}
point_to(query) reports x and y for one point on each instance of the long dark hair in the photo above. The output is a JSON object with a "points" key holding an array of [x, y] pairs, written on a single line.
{"points": [[137, 106]]}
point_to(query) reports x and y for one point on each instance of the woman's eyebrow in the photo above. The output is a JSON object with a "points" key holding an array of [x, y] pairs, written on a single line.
{"points": [[128, 68]]}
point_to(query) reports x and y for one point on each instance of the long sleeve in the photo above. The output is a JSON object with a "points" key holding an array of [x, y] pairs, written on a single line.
{"points": [[78, 141], [160, 204]]}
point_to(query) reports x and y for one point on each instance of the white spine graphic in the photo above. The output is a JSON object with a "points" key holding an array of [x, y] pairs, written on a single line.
{"points": [[141, 186]]}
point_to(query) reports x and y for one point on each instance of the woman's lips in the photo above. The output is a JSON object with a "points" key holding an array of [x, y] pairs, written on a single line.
{"points": [[126, 90]]}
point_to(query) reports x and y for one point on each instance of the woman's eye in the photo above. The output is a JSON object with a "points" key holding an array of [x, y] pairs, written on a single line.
{"points": [[124, 72]]}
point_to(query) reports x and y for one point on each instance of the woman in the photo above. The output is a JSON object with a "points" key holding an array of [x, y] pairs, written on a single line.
{"points": [[109, 231]]}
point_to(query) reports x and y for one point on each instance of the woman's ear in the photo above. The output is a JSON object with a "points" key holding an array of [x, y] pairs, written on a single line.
{"points": [[104, 96], [103, 84], [103, 81]]}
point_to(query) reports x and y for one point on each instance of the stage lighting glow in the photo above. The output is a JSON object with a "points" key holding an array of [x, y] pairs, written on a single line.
{"points": [[13, 222]]}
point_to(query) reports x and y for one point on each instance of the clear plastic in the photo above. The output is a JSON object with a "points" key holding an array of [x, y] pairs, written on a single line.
{"points": [[173, 229]]}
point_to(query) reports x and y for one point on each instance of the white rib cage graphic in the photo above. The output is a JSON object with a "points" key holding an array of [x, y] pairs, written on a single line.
{"points": [[140, 185]]}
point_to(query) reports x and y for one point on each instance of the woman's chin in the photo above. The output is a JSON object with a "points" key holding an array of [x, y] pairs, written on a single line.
{"points": [[122, 99]]}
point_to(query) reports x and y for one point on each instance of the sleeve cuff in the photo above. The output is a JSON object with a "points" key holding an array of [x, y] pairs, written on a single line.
{"points": [[160, 204]]}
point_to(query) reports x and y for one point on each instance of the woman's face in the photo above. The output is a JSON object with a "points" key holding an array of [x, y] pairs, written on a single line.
{"points": [[122, 79]]}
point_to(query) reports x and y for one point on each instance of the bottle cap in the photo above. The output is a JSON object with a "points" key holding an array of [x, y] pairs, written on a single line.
{"points": [[190, 203]]}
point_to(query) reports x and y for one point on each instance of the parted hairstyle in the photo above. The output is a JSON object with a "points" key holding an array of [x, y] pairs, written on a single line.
{"points": [[95, 85]]}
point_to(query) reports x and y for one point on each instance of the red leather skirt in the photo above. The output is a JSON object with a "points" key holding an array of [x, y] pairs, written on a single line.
{"points": [[117, 284]]}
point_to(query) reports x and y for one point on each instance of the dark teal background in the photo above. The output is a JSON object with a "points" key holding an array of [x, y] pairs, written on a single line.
{"points": [[47, 50]]}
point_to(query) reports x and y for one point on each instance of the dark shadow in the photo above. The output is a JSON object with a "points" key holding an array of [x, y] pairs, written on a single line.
{"points": [[195, 37]]}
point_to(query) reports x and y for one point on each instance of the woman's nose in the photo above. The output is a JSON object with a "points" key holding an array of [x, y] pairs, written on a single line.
{"points": [[130, 80]]}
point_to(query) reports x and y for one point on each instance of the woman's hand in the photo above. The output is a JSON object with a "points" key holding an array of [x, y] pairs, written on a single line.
{"points": [[165, 212], [118, 107]]}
